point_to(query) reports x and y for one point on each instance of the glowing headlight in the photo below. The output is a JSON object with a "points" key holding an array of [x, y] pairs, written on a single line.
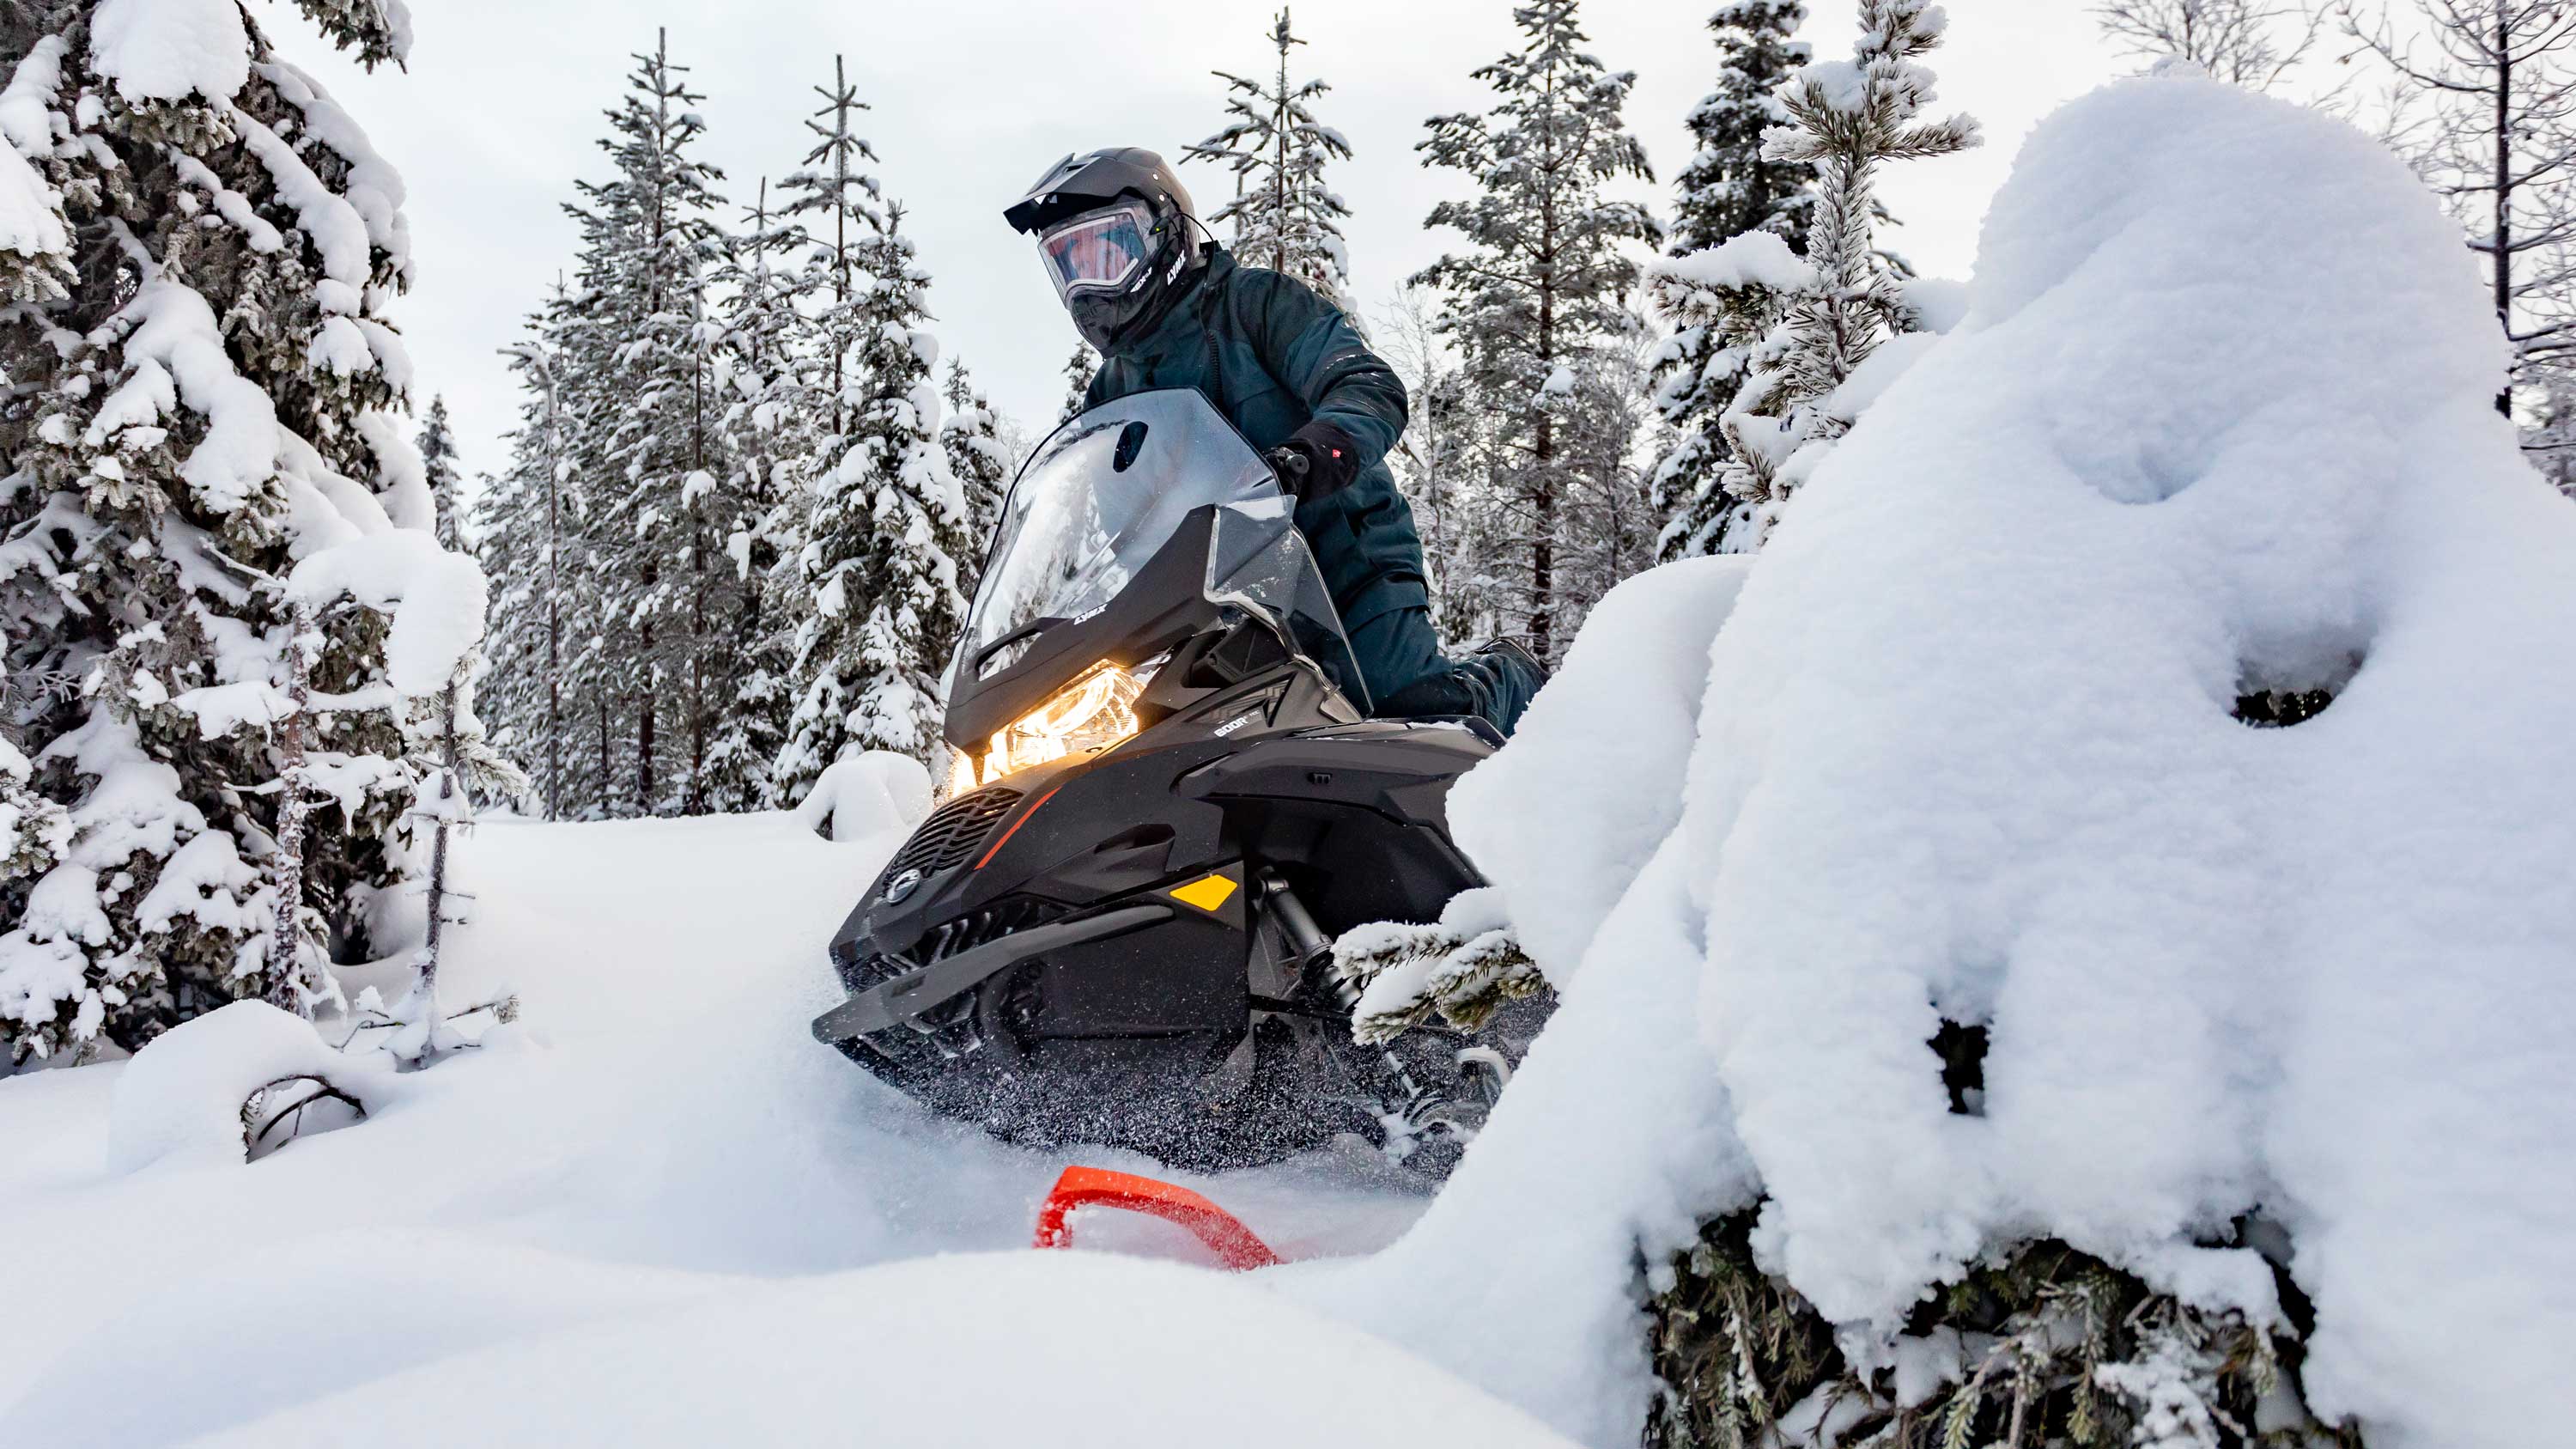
{"points": [[1087, 716]]}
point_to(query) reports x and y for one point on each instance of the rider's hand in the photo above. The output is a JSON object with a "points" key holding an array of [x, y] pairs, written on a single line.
{"points": [[1317, 462]]}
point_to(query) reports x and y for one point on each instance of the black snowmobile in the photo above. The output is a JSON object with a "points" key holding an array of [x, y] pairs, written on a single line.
{"points": [[1169, 799]]}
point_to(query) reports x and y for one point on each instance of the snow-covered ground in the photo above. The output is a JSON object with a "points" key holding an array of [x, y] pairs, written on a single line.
{"points": [[654, 1207], [2216, 419]]}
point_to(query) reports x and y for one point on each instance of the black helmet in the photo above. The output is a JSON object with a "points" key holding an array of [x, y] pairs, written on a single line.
{"points": [[1116, 230]]}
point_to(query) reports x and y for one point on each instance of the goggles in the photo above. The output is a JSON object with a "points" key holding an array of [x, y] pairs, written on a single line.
{"points": [[1101, 249]]}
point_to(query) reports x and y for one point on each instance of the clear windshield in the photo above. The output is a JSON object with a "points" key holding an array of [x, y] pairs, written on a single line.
{"points": [[1103, 495]]}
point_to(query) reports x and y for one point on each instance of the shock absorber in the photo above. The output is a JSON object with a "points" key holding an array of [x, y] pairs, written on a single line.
{"points": [[1314, 950]]}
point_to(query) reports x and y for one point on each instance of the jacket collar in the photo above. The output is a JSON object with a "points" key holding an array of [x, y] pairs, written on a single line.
{"points": [[1175, 312]]}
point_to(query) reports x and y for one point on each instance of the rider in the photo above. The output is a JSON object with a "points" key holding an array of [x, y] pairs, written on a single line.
{"points": [[1293, 375]]}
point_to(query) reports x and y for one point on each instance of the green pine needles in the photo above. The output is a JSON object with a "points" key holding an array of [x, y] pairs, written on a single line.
{"points": [[2045, 1348]]}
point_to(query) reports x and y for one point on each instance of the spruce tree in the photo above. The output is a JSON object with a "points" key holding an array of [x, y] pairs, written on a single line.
{"points": [[771, 424], [1808, 322], [888, 526], [659, 520], [1729, 188], [438, 468], [204, 380], [527, 531], [978, 461], [1540, 289], [1285, 217], [1078, 371]]}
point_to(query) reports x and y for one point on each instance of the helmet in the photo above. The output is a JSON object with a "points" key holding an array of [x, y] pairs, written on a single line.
{"points": [[1115, 230]]}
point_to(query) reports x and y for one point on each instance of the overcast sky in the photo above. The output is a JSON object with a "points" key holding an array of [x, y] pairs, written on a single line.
{"points": [[500, 110]]}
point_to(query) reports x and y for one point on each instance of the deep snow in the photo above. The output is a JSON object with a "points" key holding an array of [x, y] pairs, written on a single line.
{"points": [[2218, 419], [660, 1136]]}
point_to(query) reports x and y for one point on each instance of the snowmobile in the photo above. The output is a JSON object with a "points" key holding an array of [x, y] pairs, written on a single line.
{"points": [[1168, 799]]}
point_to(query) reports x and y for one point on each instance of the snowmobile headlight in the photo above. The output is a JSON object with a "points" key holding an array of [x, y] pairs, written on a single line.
{"points": [[1093, 713]]}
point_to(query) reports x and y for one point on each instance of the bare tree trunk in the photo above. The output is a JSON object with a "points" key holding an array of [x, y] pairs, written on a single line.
{"points": [[2504, 190], [447, 788]]}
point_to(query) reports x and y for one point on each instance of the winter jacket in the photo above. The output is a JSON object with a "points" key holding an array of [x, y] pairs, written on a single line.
{"points": [[1272, 355]]}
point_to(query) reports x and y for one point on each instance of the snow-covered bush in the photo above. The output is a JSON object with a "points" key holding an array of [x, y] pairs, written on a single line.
{"points": [[866, 795], [204, 248], [193, 1096], [1968, 921]]}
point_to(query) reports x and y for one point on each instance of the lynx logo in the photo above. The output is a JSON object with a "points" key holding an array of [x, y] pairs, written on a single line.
{"points": [[905, 882]]}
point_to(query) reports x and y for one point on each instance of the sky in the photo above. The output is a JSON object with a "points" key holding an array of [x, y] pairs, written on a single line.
{"points": [[500, 108]]}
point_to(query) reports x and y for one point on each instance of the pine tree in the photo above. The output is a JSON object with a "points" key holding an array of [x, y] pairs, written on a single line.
{"points": [[203, 389], [978, 461], [527, 528], [838, 203], [1541, 289], [1078, 370], [888, 526], [438, 466], [1729, 188], [1285, 217], [658, 518], [771, 415], [1809, 322]]}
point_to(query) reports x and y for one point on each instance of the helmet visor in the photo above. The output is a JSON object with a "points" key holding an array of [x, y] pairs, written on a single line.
{"points": [[1098, 248]]}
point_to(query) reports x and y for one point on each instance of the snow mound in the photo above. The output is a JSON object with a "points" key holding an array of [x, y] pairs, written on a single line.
{"points": [[161, 50], [436, 598], [867, 794], [2218, 423], [179, 1102], [1070, 1349]]}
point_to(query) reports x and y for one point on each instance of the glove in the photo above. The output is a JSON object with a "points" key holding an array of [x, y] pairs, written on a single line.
{"points": [[1319, 461]]}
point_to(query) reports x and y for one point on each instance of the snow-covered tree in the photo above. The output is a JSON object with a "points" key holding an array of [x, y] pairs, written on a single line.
{"points": [[1541, 286], [2250, 43], [838, 204], [1433, 460], [201, 248], [1729, 188], [888, 526], [658, 521], [1810, 322], [979, 461], [2495, 137], [438, 469], [1077, 379], [772, 416], [527, 529], [1285, 217]]}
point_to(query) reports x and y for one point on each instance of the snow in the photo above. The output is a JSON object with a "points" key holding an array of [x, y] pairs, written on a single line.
{"points": [[867, 794], [162, 50], [1071, 1349], [175, 329], [1965, 751], [31, 215], [1751, 259], [178, 1103], [436, 598], [26, 106], [658, 1160]]}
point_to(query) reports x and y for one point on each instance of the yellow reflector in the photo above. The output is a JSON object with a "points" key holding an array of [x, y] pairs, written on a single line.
{"points": [[1207, 892]]}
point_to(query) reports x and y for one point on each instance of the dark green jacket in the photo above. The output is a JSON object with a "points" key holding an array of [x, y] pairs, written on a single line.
{"points": [[1271, 355]]}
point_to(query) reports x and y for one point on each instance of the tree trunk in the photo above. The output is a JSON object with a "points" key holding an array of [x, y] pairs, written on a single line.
{"points": [[286, 932], [2504, 191]]}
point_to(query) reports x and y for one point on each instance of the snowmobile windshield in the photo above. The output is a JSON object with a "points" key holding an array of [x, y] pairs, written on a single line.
{"points": [[1107, 491]]}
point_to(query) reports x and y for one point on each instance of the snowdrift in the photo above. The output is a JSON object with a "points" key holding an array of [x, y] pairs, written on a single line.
{"points": [[2219, 421]]}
